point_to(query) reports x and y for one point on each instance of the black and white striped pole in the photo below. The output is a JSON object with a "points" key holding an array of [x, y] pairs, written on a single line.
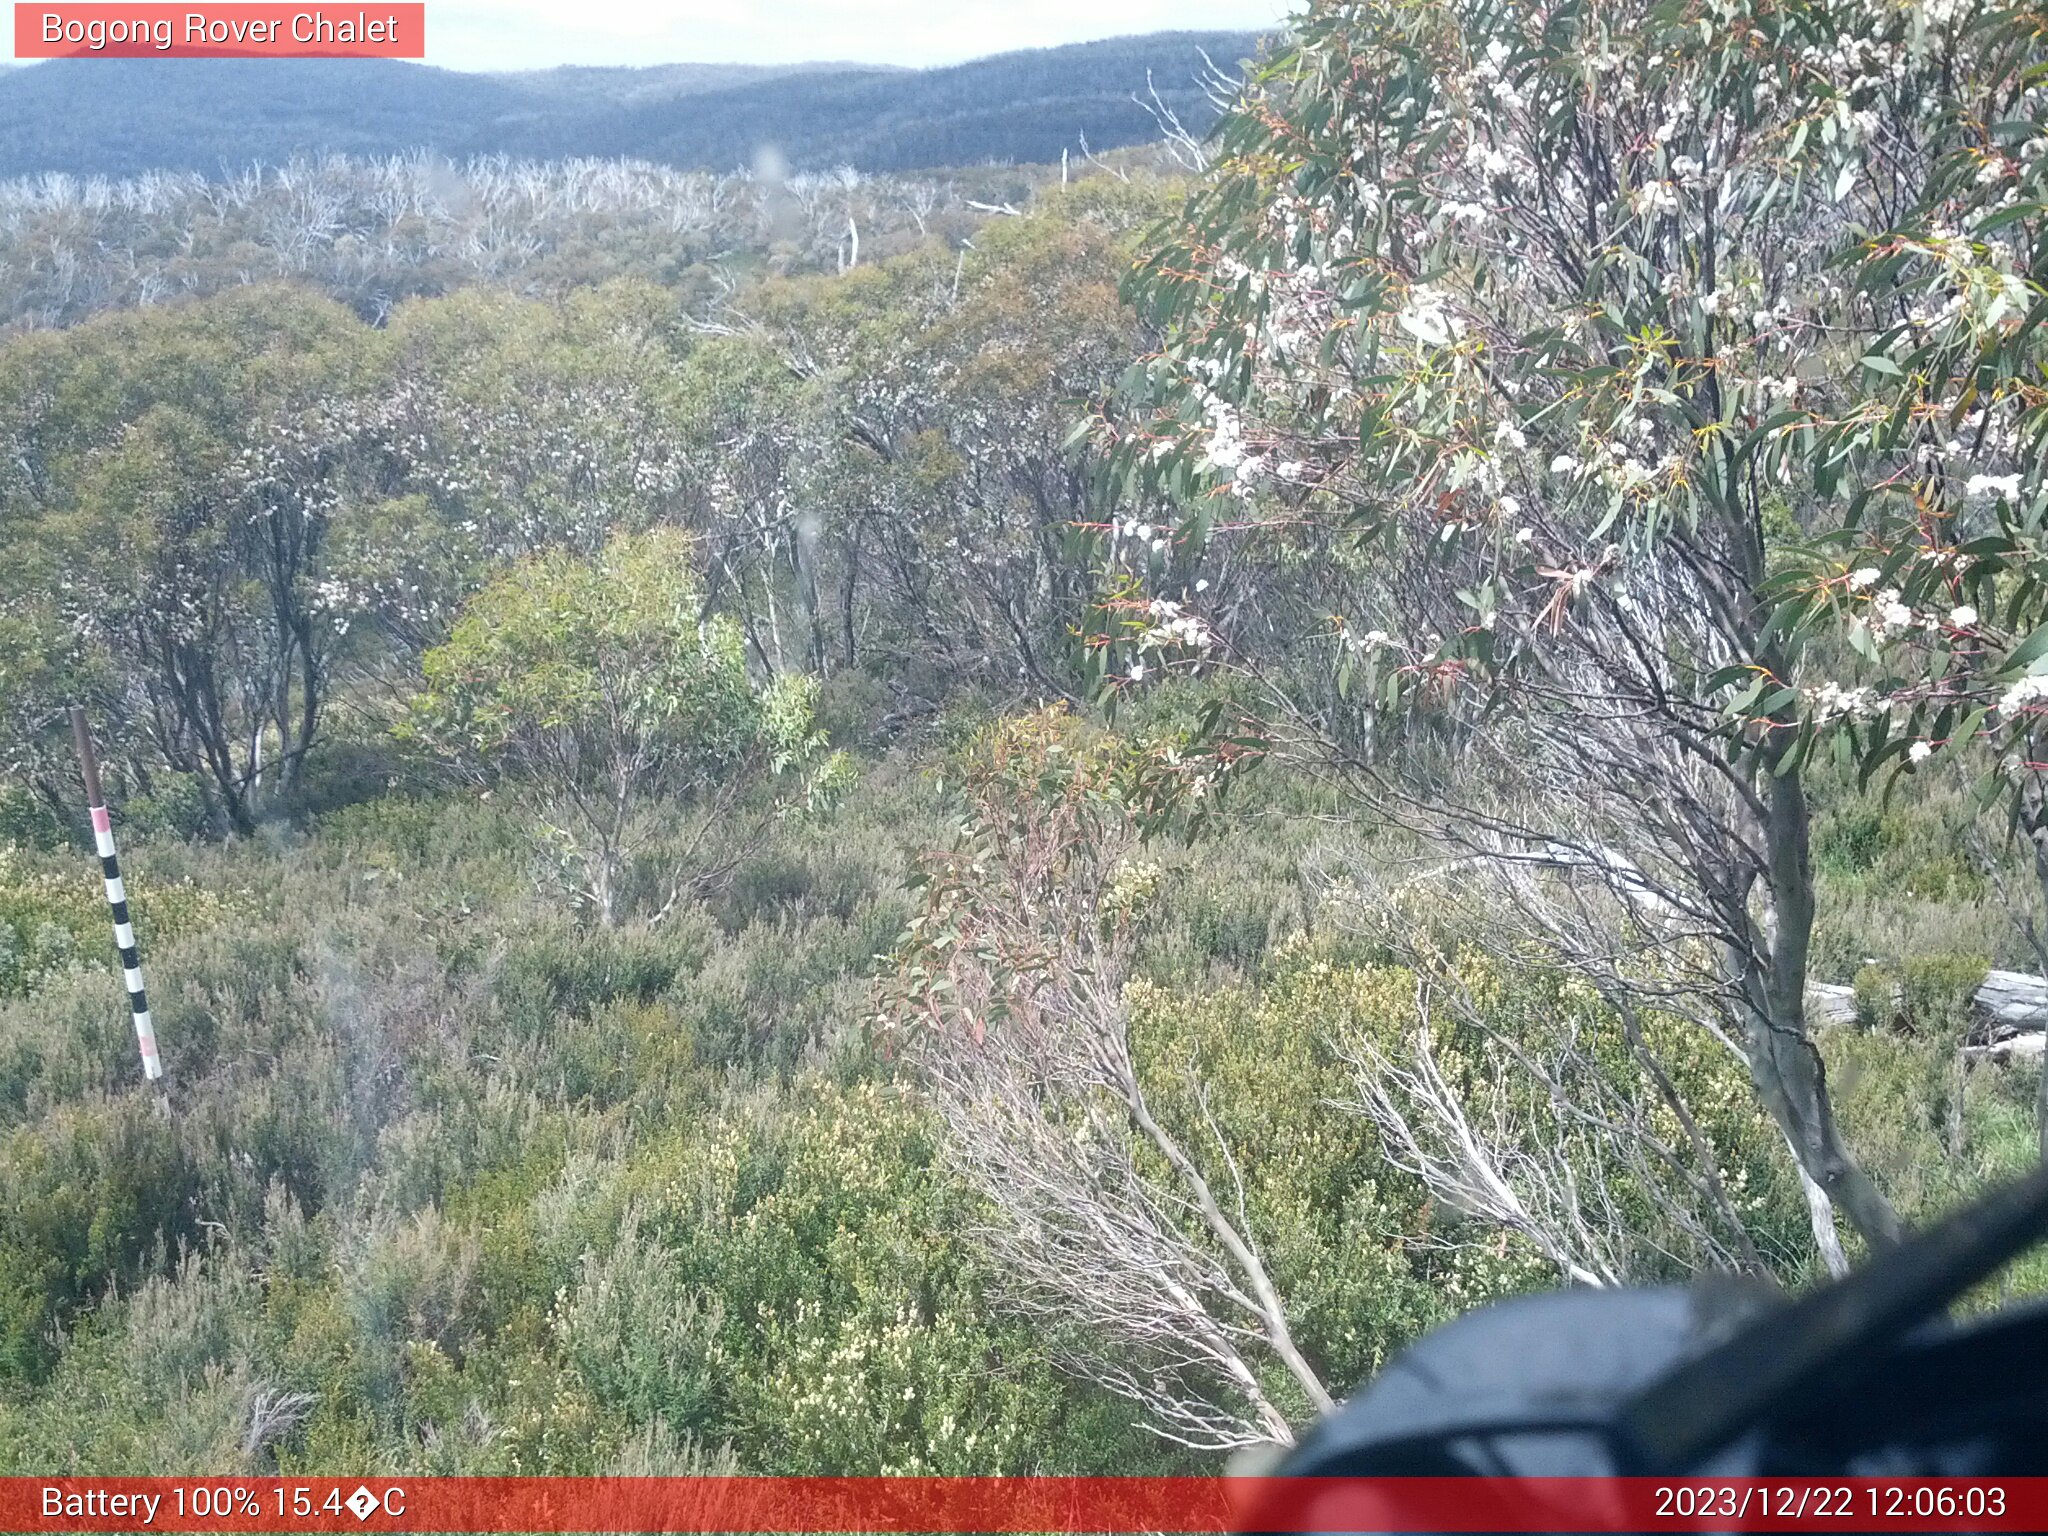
{"points": [[117, 898]]}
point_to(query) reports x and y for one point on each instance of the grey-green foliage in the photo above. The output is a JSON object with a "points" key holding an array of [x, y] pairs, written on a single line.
{"points": [[450, 1184]]}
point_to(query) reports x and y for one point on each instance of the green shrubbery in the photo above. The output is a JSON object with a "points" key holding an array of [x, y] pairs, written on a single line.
{"points": [[53, 914], [432, 1143], [458, 1175], [1903, 874], [1929, 994], [453, 1182]]}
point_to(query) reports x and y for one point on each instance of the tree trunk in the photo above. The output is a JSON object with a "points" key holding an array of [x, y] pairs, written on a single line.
{"points": [[1789, 1074], [1820, 1211], [2034, 820], [846, 593], [1792, 1083], [604, 888]]}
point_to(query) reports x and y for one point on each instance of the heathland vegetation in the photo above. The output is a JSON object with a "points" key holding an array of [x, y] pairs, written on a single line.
{"points": [[1022, 845]]}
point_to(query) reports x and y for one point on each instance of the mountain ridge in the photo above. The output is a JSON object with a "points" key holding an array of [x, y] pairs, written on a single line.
{"points": [[119, 117]]}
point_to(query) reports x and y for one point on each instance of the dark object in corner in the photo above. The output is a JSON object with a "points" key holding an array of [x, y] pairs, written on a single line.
{"points": [[1864, 1377]]}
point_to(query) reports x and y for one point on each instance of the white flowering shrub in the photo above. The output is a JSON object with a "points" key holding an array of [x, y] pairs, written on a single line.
{"points": [[1924, 549], [1542, 347], [1553, 294]]}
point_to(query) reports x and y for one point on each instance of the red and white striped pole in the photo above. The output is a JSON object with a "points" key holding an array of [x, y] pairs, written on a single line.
{"points": [[117, 898]]}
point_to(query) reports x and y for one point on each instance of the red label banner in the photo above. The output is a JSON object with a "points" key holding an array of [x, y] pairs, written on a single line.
{"points": [[996, 1504], [251, 31]]}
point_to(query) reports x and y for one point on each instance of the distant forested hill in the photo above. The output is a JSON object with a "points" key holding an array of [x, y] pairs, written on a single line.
{"points": [[601, 86], [1015, 106], [120, 117]]}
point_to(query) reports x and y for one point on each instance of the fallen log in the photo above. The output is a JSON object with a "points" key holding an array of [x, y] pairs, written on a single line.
{"points": [[2011, 1049], [1827, 1003], [2014, 1001], [2008, 1003]]}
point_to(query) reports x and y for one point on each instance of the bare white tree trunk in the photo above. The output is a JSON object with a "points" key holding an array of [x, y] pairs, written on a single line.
{"points": [[1545, 1142], [1102, 1219], [1046, 1116], [1821, 1212]]}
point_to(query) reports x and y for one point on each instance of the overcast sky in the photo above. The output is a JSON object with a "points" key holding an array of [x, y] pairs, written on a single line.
{"points": [[533, 34]]}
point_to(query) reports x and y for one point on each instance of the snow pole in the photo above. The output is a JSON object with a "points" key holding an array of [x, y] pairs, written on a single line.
{"points": [[117, 897]]}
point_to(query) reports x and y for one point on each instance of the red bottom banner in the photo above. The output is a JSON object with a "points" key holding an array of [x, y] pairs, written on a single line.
{"points": [[1020, 1504]]}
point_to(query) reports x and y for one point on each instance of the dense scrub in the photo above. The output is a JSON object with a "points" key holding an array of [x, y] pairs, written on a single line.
{"points": [[376, 231], [451, 1182], [986, 860]]}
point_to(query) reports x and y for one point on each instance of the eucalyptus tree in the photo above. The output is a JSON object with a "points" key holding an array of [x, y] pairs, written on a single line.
{"points": [[516, 427], [179, 474], [592, 687], [1012, 994], [1511, 336], [896, 442], [1925, 584]]}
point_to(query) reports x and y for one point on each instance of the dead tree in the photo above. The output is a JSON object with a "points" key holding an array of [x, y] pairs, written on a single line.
{"points": [[1100, 1215]]}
